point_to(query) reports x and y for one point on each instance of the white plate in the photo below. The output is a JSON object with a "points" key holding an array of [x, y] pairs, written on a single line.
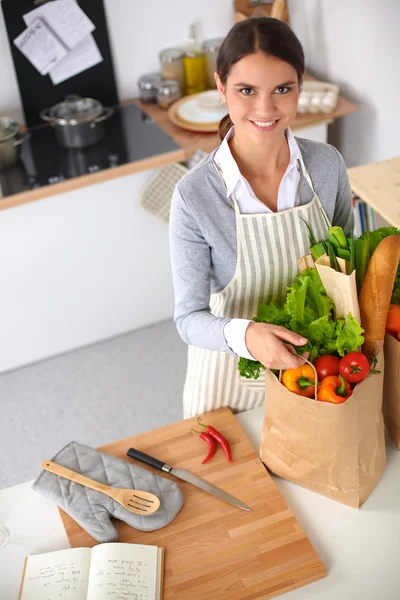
{"points": [[210, 100], [193, 113]]}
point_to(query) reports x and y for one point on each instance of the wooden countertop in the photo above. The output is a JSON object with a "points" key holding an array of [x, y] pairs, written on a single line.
{"points": [[378, 184], [188, 142]]}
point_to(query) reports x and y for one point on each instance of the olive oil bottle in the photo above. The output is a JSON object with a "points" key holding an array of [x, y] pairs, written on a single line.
{"points": [[194, 62]]}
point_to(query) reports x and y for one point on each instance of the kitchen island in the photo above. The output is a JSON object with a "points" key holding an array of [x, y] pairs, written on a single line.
{"points": [[358, 547]]}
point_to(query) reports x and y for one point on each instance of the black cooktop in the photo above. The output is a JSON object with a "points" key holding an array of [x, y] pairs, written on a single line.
{"points": [[130, 135]]}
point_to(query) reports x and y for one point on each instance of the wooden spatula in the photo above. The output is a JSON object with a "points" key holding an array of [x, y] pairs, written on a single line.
{"points": [[136, 501]]}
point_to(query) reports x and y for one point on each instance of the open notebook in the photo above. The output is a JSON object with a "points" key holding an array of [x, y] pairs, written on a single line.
{"points": [[104, 572]]}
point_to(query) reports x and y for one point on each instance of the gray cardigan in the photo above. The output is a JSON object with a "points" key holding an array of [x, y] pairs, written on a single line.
{"points": [[203, 236]]}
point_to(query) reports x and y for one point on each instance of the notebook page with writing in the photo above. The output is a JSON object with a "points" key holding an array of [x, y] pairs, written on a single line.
{"points": [[59, 575], [124, 571]]}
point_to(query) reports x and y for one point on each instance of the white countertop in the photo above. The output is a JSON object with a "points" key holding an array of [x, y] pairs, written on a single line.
{"points": [[360, 548]]}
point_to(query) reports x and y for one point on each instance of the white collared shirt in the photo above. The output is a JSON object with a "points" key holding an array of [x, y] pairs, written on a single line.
{"points": [[248, 203]]}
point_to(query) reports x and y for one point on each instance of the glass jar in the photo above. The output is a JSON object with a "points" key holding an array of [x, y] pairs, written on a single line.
{"points": [[211, 49], [148, 85], [168, 92], [171, 60]]}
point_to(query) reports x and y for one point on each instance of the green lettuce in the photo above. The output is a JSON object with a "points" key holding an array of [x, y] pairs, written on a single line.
{"points": [[308, 311]]}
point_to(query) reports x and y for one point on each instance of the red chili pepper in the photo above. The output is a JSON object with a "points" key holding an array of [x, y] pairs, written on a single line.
{"points": [[212, 446], [219, 437]]}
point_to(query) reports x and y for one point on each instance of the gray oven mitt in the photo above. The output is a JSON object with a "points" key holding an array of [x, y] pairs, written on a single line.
{"points": [[93, 510]]}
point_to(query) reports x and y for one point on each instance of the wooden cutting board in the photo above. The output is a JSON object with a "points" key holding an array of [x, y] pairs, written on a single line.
{"points": [[214, 550]]}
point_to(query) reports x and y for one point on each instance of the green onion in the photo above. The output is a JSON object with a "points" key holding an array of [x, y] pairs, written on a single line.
{"points": [[361, 260], [318, 250], [343, 253], [351, 242], [311, 238], [337, 238], [332, 257]]}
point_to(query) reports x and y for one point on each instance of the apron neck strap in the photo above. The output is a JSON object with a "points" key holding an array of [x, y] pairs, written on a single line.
{"points": [[231, 198], [307, 176]]}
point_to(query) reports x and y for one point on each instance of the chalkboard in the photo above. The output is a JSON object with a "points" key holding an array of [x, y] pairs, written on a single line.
{"points": [[37, 91]]}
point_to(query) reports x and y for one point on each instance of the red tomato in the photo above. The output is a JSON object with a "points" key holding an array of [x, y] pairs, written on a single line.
{"points": [[393, 319], [398, 335], [327, 365], [354, 367]]}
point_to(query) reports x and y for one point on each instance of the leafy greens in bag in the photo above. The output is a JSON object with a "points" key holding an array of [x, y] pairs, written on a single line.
{"points": [[308, 311]]}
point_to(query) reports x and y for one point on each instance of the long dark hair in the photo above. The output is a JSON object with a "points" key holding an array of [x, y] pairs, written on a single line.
{"points": [[265, 34]]}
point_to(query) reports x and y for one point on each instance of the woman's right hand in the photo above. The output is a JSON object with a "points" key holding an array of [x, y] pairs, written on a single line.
{"points": [[265, 343]]}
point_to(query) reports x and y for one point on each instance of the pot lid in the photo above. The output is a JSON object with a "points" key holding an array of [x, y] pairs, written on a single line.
{"points": [[8, 129], [76, 110]]}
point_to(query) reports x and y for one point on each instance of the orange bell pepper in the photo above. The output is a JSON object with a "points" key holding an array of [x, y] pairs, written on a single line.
{"points": [[335, 389], [393, 319], [301, 381]]}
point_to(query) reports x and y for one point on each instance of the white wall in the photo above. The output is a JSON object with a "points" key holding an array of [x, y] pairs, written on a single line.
{"points": [[356, 43]]}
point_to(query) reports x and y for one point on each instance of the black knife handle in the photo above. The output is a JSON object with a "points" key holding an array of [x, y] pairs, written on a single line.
{"points": [[148, 460]]}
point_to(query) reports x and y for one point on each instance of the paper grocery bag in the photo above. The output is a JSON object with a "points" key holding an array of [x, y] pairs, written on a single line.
{"points": [[337, 450], [391, 388], [340, 287]]}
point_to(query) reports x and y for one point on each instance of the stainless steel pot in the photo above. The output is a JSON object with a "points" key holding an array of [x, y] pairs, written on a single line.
{"points": [[77, 122], [11, 138]]}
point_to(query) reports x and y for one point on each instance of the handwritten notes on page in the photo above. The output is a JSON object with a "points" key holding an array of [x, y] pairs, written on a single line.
{"points": [[58, 40], [113, 571], [125, 572], [61, 575], [85, 55], [40, 46], [65, 18]]}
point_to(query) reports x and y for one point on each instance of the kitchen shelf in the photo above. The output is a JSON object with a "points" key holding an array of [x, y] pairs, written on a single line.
{"points": [[191, 141], [378, 184]]}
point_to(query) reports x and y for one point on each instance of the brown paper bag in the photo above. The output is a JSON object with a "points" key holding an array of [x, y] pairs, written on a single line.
{"points": [[337, 450], [340, 287], [391, 388]]}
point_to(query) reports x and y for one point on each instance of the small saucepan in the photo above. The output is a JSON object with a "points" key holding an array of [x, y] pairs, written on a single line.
{"points": [[77, 122], [11, 138]]}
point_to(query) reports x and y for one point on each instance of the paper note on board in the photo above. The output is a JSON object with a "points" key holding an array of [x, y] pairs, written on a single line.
{"points": [[65, 18], [40, 46], [85, 55]]}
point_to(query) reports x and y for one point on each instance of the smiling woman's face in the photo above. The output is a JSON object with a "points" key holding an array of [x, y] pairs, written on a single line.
{"points": [[262, 92]]}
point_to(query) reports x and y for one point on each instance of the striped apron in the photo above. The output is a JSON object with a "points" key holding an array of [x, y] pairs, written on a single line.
{"points": [[268, 247]]}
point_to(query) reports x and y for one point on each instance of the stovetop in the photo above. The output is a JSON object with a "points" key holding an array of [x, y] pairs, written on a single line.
{"points": [[130, 135]]}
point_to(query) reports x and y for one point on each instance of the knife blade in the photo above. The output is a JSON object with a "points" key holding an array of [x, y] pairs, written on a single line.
{"points": [[185, 475]]}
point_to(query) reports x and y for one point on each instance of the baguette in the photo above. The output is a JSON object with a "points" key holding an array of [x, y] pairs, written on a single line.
{"points": [[376, 292]]}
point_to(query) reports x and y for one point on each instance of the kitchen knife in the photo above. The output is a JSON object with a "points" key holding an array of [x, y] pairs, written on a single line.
{"points": [[187, 476]]}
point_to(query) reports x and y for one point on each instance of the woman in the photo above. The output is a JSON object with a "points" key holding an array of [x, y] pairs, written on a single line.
{"points": [[237, 229]]}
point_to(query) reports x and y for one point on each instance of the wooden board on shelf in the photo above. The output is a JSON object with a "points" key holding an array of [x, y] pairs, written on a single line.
{"points": [[378, 184], [212, 549], [277, 9]]}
